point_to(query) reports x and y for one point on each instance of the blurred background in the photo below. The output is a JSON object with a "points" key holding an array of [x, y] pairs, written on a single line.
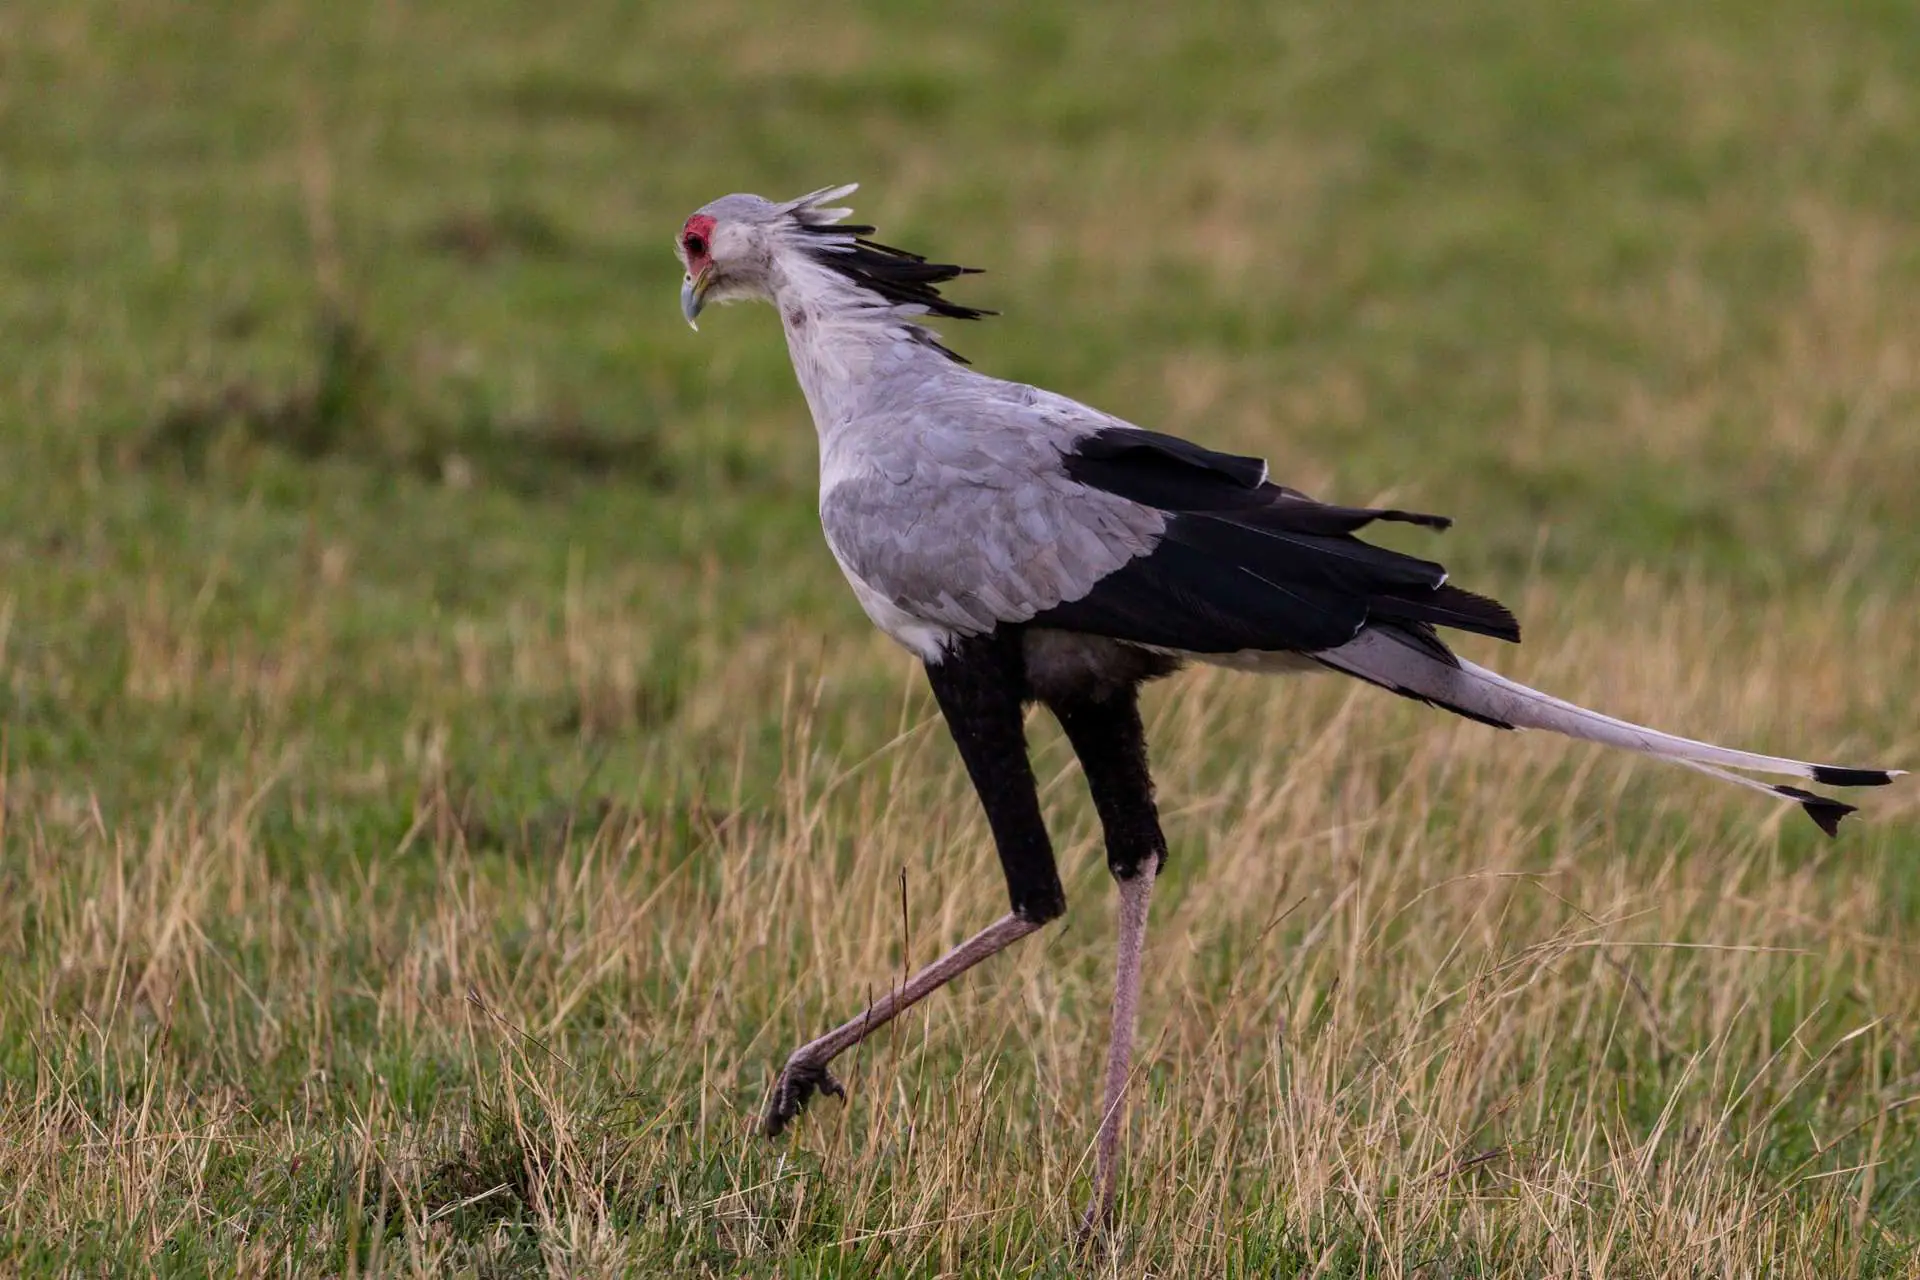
{"points": [[336, 338], [363, 491]]}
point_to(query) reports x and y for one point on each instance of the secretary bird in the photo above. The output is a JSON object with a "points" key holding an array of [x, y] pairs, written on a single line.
{"points": [[1027, 548]]}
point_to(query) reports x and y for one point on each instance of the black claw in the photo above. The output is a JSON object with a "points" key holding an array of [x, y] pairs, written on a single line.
{"points": [[793, 1090]]}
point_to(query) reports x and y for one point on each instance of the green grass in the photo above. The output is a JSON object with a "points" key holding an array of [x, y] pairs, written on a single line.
{"points": [[442, 771]]}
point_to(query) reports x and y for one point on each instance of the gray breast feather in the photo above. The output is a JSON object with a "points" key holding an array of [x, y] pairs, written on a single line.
{"points": [[975, 536]]}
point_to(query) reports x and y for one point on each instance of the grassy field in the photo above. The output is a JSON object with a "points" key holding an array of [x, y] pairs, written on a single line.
{"points": [[442, 772]]}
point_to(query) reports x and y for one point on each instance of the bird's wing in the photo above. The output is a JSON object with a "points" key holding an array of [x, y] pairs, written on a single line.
{"points": [[1009, 505], [1242, 564]]}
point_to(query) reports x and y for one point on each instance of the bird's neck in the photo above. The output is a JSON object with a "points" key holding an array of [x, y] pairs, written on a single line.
{"points": [[851, 349]]}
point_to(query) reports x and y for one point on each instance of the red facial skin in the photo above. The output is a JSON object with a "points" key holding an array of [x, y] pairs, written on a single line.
{"points": [[696, 241]]}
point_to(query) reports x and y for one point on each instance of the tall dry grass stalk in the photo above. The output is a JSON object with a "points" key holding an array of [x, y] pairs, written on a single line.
{"points": [[1418, 994]]}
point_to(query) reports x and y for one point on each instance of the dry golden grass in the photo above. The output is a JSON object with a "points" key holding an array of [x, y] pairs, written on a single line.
{"points": [[1420, 995]]}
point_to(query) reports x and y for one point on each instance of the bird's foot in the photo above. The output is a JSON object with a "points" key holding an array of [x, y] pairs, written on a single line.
{"points": [[794, 1089]]}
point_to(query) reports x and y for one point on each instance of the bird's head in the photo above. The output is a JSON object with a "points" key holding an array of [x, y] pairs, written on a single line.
{"points": [[728, 247], [732, 249]]}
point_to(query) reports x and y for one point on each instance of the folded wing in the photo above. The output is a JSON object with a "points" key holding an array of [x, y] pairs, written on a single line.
{"points": [[1247, 565]]}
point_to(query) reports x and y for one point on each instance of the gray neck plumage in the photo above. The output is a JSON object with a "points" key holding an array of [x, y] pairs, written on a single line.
{"points": [[852, 348]]}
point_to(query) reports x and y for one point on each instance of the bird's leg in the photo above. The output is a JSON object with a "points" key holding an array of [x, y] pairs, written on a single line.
{"points": [[1111, 742], [806, 1070], [1134, 896], [979, 684]]}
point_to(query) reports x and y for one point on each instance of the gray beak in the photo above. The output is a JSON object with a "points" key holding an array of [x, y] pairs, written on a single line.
{"points": [[693, 294]]}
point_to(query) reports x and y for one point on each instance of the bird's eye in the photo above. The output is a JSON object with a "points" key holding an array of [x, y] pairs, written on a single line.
{"points": [[696, 246]]}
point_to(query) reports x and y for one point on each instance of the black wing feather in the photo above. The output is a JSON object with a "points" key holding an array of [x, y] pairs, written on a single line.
{"points": [[1245, 564], [1165, 471], [1133, 463], [1179, 597]]}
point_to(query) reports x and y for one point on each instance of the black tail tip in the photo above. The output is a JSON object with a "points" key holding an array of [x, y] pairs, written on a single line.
{"points": [[1826, 814], [1832, 775]]}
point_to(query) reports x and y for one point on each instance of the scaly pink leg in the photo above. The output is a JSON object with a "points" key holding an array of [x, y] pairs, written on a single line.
{"points": [[807, 1071], [1135, 895]]}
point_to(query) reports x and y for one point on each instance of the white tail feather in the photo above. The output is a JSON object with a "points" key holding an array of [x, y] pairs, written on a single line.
{"points": [[1401, 665]]}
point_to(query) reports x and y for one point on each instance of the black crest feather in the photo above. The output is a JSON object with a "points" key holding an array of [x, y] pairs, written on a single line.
{"points": [[903, 278]]}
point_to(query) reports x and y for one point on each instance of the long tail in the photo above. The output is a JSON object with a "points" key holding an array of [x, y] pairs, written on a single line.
{"points": [[1415, 669]]}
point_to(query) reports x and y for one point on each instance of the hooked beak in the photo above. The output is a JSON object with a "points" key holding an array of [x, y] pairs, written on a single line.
{"points": [[693, 294]]}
